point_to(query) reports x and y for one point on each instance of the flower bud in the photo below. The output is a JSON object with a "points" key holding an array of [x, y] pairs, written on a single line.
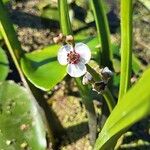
{"points": [[99, 86], [87, 78], [106, 74], [61, 36], [69, 39], [56, 40]]}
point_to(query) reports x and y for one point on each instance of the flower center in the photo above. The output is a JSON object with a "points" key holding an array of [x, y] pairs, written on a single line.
{"points": [[73, 57]]}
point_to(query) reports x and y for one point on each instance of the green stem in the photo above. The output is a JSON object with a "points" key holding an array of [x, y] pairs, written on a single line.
{"points": [[87, 100], [89, 106], [126, 46], [11, 40], [109, 99], [64, 17], [106, 94], [103, 33]]}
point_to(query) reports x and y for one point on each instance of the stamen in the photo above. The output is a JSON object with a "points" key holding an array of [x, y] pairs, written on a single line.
{"points": [[73, 57]]}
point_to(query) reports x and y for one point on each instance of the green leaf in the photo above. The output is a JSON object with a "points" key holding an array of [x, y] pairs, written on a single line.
{"points": [[134, 105], [5, 1], [9, 35], [21, 121], [103, 33], [42, 68], [1, 37], [4, 65], [92, 43], [126, 46]]}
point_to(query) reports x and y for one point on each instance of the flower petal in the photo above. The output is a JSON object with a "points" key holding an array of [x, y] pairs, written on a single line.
{"points": [[76, 70], [84, 52], [62, 54]]}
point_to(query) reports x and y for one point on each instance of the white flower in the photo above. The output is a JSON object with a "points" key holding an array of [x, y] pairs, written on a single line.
{"points": [[76, 57]]}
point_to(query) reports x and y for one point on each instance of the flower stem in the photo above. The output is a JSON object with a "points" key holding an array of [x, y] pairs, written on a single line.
{"points": [[106, 94], [84, 91], [64, 17], [89, 106], [109, 99]]}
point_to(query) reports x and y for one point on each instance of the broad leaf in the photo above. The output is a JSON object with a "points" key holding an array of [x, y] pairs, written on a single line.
{"points": [[21, 124], [42, 68], [4, 66], [134, 106]]}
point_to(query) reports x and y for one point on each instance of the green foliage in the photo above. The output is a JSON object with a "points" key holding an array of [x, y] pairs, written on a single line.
{"points": [[9, 34], [42, 68], [134, 106], [4, 65], [64, 17], [21, 124], [126, 46], [1, 37], [103, 33], [5, 1]]}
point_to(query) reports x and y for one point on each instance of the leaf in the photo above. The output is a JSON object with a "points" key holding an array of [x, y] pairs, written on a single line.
{"points": [[5, 1], [42, 68], [126, 46], [21, 124], [1, 37], [92, 43], [134, 105], [9, 35], [4, 65], [103, 33]]}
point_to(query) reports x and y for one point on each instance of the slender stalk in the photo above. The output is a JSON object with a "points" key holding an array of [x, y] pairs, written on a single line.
{"points": [[11, 40], [89, 106], [106, 94], [64, 17], [86, 99], [103, 33], [109, 99], [126, 46]]}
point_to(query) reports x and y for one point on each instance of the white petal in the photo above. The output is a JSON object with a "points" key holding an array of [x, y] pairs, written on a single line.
{"points": [[62, 54], [76, 70], [84, 52], [107, 70]]}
